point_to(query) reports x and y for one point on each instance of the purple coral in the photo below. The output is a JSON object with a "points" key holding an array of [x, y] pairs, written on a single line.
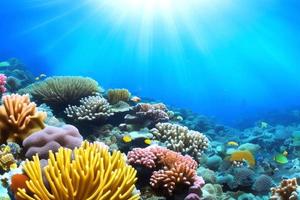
{"points": [[52, 138], [2, 83], [154, 112]]}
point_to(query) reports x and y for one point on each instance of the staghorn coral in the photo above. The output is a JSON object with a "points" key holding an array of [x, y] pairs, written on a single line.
{"points": [[51, 138], [92, 173], [91, 108], [116, 95], [181, 139], [243, 156], [19, 118], [286, 191], [59, 91], [175, 169]]}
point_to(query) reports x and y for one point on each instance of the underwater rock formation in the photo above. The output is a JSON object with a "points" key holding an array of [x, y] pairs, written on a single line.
{"points": [[51, 139], [93, 173], [181, 139], [91, 108], [19, 118], [116, 95], [175, 169], [60, 91]]}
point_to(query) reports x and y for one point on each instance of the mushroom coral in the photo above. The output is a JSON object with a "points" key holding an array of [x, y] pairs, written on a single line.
{"points": [[19, 118]]}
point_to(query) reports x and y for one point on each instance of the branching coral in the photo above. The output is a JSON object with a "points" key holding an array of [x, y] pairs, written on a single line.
{"points": [[153, 112], [286, 190], [116, 95], [175, 169], [62, 90], [181, 139], [19, 118], [92, 173], [91, 108]]}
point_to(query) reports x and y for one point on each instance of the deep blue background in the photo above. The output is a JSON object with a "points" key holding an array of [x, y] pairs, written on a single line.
{"points": [[229, 61]]}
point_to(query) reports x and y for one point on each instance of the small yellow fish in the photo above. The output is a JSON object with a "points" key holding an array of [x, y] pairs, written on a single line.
{"points": [[232, 143], [37, 78], [148, 141], [127, 138], [285, 153], [135, 99]]}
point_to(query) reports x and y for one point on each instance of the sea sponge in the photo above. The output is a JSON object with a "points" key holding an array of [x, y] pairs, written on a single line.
{"points": [[91, 108], [181, 139], [51, 138], [19, 118], [262, 184], [286, 191], [116, 95], [174, 168], [92, 173], [59, 91], [243, 156]]}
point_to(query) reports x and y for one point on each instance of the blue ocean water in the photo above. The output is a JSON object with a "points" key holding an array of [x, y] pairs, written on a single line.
{"points": [[225, 58]]}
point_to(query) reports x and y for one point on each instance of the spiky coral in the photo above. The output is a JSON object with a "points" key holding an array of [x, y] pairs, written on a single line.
{"points": [[19, 118], [92, 174], [286, 191], [62, 90], [181, 139], [116, 95], [175, 168], [91, 108]]}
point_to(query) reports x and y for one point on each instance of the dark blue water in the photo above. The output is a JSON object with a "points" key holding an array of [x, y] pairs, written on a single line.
{"points": [[229, 59]]}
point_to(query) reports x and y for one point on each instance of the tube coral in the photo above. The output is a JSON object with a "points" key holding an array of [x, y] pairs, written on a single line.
{"points": [[19, 118], [92, 174]]}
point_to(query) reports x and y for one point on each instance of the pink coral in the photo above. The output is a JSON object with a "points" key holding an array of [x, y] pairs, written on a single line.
{"points": [[2, 83], [174, 168]]}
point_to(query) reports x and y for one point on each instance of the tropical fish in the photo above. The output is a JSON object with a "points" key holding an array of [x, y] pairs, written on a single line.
{"points": [[232, 143], [37, 78], [4, 64], [148, 141], [127, 138], [135, 99], [281, 159], [42, 75]]}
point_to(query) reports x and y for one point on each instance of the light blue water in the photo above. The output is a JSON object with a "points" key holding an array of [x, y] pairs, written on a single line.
{"points": [[227, 58]]}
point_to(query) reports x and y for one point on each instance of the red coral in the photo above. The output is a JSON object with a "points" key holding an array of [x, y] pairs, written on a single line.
{"points": [[175, 169]]}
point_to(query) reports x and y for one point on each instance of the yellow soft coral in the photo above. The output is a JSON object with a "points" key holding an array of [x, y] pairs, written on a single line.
{"points": [[243, 156], [88, 173], [19, 118]]}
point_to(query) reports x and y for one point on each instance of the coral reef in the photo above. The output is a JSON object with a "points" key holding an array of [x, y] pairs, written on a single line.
{"points": [[3, 80], [91, 108], [51, 138], [116, 95], [19, 118], [263, 184], [176, 169], [286, 191], [243, 156], [92, 173], [59, 91], [181, 139]]}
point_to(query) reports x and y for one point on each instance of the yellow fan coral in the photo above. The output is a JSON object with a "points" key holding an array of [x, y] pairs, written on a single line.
{"points": [[243, 155], [19, 118], [92, 174]]}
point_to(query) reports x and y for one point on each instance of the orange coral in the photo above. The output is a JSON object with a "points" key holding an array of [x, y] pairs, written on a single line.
{"points": [[243, 155], [18, 181], [286, 191], [19, 118]]}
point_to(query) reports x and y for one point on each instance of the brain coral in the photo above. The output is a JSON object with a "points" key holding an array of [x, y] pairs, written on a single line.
{"points": [[92, 173], [51, 138], [59, 91], [19, 118], [91, 108], [181, 139], [263, 184], [174, 168]]}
